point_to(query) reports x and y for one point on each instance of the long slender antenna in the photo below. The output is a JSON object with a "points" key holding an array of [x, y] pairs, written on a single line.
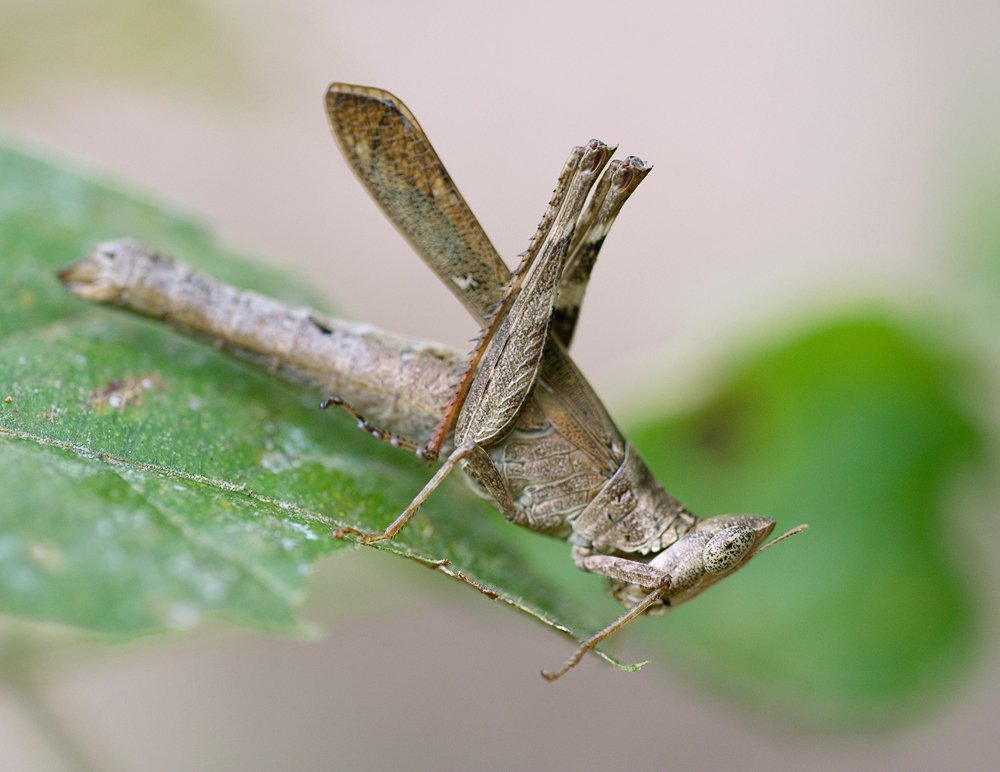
{"points": [[795, 530]]}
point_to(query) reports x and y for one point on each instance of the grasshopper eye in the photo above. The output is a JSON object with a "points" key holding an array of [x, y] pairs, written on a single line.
{"points": [[727, 549]]}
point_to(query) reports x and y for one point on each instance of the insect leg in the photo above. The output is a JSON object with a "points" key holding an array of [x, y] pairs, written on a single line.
{"points": [[614, 188], [537, 246], [548, 218], [621, 569], [478, 465], [508, 368], [650, 600], [396, 525], [396, 440], [579, 171]]}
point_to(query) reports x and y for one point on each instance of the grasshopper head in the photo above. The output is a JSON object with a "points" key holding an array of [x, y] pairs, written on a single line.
{"points": [[713, 549]]}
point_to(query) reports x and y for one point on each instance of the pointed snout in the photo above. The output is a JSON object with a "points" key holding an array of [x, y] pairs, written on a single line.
{"points": [[761, 526]]}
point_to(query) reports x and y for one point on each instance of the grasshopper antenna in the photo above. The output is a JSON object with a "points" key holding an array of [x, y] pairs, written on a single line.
{"points": [[795, 530]]}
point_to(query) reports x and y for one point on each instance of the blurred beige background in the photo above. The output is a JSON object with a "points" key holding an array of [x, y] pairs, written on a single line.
{"points": [[807, 156]]}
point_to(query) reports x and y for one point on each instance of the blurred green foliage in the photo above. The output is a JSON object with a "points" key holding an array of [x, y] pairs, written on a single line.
{"points": [[167, 44], [856, 427]]}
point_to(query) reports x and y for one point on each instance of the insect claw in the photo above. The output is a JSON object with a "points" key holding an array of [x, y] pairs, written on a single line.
{"points": [[361, 537], [344, 531]]}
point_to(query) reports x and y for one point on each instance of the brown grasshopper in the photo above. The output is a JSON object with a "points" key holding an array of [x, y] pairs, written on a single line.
{"points": [[529, 432], [527, 428]]}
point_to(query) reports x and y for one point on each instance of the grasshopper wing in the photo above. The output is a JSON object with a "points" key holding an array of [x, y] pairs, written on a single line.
{"points": [[392, 156]]}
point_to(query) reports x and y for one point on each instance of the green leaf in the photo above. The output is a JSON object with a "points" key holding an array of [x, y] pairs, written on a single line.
{"points": [[149, 480], [856, 428]]}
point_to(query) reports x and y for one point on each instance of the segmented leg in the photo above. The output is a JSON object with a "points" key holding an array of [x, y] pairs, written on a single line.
{"points": [[538, 246], [650, 600], [396, 440], [489, 398], [478, 465], [505, 363], [533, 285], [509, 366], [552, 210], [588, 230], [617, 184], [396, 525], [620, 569]]}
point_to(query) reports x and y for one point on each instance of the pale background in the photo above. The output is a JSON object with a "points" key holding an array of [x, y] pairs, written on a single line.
{"points": [[807, 155]]}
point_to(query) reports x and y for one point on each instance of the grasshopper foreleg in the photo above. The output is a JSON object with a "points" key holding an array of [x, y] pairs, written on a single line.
{"points": [[621, 570], [650, 600]]}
